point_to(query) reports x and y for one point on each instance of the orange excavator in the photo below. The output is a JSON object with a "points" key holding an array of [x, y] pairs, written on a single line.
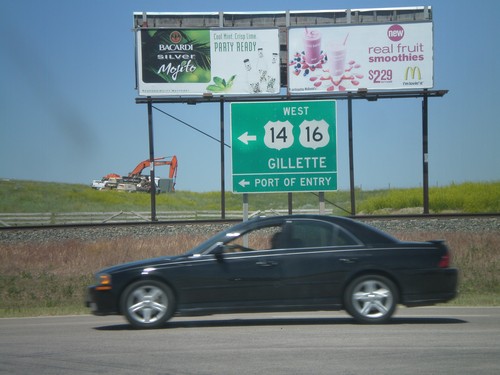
{"points": [[157, 161], [135, 181], [143, 183]]}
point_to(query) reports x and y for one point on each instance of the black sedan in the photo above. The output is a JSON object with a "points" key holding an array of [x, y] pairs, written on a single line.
{"points": [[281, 263]]}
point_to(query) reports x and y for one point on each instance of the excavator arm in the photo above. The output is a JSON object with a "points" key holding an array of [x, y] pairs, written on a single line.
{"points": [[142, 165], [135, 176], [173, 163]]}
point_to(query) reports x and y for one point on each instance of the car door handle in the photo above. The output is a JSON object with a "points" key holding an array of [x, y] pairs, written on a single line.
{"points": [[266, 263], [348, 260]]}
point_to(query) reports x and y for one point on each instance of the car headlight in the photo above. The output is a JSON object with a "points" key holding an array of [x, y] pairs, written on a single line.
{"points": [[103, 282]]}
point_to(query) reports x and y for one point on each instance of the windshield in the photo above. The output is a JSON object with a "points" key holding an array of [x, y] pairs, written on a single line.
{"points": [[224, 236]]}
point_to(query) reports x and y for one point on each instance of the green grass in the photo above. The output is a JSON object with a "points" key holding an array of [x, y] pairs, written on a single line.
{"points": [[462, 198], [40, 197], [29, 197], [45, 293]]}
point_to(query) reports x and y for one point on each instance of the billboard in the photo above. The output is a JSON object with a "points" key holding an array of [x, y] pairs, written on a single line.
{"points": [[347, 58], [198, 61]]}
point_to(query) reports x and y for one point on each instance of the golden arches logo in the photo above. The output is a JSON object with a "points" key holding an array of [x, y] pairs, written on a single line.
{"points": [[413, 71]]}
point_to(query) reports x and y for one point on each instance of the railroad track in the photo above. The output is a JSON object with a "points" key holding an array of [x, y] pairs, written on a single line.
{"points": [[464, 223], [235, 220]]}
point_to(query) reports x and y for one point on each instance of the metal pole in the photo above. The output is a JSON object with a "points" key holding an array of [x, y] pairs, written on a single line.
{"points": [[425, 149], [321, 197], [222, 167], [245, 206], [290, 203], [152, 160], [351, 155], [245, 217]]}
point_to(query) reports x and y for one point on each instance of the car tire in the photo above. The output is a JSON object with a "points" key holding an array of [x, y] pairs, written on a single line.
{"points": [[371, 299], [147, 304]]}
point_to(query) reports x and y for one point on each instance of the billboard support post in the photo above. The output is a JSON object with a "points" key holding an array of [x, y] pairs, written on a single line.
{"points": [[351, 155], [425, 149], [222, 164], [151, 160]]}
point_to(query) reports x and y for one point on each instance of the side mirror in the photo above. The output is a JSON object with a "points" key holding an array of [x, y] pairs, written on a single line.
{"points": [[218, 251]]}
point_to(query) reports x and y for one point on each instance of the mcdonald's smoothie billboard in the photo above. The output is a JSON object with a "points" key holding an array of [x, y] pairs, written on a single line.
{"points": [[373, 57], [199, 61]]}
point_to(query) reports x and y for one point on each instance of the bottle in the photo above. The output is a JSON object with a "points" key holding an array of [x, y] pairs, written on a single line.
{"points": [[262, 68], [251, 78], [271, 81]]}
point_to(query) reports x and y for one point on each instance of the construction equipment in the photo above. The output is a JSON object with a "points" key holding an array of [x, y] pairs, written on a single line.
{"points": [[110, 181], [136, 181]]}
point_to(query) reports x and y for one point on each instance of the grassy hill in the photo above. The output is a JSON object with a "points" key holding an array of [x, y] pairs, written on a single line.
{"points": [[18, 196]]}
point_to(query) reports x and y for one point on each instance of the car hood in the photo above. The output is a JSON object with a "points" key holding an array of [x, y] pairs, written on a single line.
{"points": [[144, 263]]}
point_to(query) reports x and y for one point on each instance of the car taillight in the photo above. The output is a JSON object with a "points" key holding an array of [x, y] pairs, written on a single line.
{"points": [[444, 262]]}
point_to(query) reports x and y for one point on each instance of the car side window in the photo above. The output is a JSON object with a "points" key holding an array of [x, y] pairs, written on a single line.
{"points": [[313, 233], [264, 238], [293, 234]]}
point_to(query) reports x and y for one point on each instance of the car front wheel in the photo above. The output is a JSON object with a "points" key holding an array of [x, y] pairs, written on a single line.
{"points": [[147, 304], [371, 299]]}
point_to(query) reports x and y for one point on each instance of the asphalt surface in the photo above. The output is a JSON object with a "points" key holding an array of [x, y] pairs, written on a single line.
{"points": [[437, 340]]}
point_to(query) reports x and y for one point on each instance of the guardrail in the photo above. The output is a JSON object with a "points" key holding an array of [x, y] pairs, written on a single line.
{"points": [[69, 218], [64, 218]]}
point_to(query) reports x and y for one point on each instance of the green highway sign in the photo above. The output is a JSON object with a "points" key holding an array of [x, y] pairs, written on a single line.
{"points": [[284, 146]]}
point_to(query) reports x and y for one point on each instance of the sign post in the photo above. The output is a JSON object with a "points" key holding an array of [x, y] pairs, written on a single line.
{"points": [[284, 146]]}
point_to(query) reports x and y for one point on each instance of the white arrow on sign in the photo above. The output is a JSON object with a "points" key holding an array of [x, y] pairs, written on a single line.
{"points": [[245, 138], [244, 183]]}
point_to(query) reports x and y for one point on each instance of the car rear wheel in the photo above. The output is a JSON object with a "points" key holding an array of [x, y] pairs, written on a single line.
{"points": [[147, 304], [371, 299]]}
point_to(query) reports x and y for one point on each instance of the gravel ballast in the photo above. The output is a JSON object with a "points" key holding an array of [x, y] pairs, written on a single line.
{"points": [[465, 224]]}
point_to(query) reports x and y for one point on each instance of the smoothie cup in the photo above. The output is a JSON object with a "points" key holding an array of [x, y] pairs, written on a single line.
{"points": [[312, 46], [336, 58]]}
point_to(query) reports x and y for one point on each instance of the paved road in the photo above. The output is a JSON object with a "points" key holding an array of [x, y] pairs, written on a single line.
{"points": [[442, 340]]}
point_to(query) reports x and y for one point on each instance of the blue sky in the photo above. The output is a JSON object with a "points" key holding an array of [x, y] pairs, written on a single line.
{"points": [[68, 111]]}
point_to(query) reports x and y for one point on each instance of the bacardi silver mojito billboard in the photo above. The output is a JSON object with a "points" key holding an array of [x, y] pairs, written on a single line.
{"points": [[347, 58], [199, 61]]}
